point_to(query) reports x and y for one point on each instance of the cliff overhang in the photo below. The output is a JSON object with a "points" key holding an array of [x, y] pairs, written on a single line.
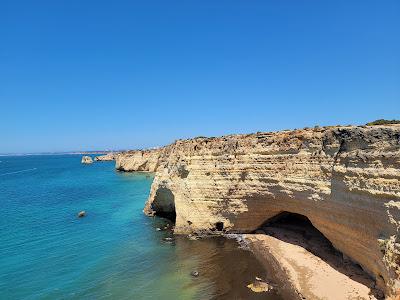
{"points": [[345, 180]]}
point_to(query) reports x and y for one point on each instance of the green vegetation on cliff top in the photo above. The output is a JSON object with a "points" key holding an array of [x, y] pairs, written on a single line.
{"points": [[383, 122]]}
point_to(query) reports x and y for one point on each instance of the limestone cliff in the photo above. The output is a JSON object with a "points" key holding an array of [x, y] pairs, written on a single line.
{"points": [[346, 180], [106, 157], [139, 160]]}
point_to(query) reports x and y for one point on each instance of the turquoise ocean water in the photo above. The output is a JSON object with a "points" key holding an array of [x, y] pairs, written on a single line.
{"points": [[115, 252]]}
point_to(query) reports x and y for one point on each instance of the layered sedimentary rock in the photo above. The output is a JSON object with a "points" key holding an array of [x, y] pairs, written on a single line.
{"points": [[346, 180], [106, 157], [139, 160]]}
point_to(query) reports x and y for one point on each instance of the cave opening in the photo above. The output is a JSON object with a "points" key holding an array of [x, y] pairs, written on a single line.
{"points": [[164, 204], [219, 226], [288, 220], [298, 229]]}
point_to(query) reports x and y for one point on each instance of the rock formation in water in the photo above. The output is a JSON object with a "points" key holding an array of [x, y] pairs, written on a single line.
{"points": [[345, 180], [106, 157], [86, 160]]}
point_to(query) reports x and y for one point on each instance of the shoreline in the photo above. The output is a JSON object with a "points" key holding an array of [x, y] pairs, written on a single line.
{"points": [[298, 274], [302, 275], [343, 180]]}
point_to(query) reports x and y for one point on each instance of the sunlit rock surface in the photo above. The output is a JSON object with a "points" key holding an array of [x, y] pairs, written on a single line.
{"points": [[346, 180], [106, 157], [140, 160], [86, 160]]}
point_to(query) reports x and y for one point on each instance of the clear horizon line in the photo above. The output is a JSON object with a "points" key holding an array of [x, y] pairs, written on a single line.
{"points": [[57, 152]]}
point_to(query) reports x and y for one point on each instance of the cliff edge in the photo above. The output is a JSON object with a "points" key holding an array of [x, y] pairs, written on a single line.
{"points": [[345, 180]]}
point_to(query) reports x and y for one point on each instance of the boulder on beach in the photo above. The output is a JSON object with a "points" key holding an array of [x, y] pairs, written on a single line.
{"points": [[86, 160], [259, 286]]}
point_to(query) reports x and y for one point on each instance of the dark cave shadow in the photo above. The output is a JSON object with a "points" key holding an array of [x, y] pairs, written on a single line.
{"points": [[298, 230], [164, 204]]}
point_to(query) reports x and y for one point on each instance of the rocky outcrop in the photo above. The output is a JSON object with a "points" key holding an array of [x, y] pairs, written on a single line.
{"points": [[345, 180], [106, 157], [86, 160], [138, 160]]}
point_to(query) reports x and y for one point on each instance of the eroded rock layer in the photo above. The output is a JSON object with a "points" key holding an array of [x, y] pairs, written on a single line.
{"points": [[345, 180], [140, 160], [106, 157]]}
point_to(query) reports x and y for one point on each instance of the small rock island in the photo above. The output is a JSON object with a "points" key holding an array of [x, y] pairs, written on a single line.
{"points": [[86, 160]]}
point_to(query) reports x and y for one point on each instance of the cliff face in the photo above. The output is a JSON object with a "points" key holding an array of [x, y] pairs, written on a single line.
{"points": [[346, 180], [106, 157], [140, 160]]}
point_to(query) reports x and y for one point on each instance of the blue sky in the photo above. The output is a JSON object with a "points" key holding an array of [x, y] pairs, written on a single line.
{"points": [[80, 75]]}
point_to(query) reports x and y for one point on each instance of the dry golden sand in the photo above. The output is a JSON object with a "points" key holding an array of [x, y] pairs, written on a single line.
{"points": [[303, 275]]}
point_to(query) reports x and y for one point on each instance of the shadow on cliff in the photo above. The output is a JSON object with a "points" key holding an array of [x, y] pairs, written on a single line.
{"points": [[298, 230], [164, 204]]}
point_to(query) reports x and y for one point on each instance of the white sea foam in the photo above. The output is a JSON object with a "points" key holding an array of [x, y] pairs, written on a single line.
{"points": [[21, 171], [243, 244]]}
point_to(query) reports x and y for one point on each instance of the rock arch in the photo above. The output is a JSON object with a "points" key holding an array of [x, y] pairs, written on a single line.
{"points": [[164, 204], [344, 179]]}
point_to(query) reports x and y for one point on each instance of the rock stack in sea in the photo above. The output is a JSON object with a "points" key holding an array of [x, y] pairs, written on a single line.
{"points": [[86, 160]]}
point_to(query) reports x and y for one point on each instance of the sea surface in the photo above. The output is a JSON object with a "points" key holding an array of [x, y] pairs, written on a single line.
{"points": [[115, 252]]}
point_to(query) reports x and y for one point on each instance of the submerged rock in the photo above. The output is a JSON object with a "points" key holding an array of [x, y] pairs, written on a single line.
{"points": [[86, 160], [195, 273], [82, 214], [338, 176], [168, 239]]}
